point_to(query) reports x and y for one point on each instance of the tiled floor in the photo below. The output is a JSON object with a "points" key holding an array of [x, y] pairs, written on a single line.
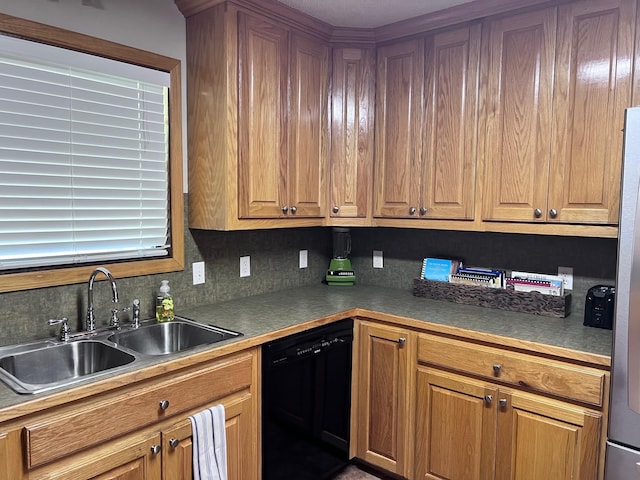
{"points": [[354, 473]]}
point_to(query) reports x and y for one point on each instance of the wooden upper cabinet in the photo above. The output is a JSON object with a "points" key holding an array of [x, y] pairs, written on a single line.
{"points": [[426, 121], [592, 89], [557, 83], [308, 127], [517, 131], [351, 158], [283, 137], [262, 142], [450, 124], [257, 98], [398, 146]]}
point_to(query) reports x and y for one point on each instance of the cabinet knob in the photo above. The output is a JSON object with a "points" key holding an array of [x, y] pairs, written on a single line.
{"points": [[402, 341], [164, 404], [336, 209], [412, 210], [537, 213], [423, 211], [155, 449], [285, 209], [503, 403], [174, 442], [496, 369], [294, 209], [488, 399], [553, 213]]}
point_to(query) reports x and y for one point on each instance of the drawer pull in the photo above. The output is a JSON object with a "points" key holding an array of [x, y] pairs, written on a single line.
{"points": [[503, 403], [402, 341], [496, 369], [488, 399], [164, 404], [174, 442], [155, 449]]}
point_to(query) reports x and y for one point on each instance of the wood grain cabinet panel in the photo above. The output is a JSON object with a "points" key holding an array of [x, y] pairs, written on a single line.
{"points": [[383, 407], [283, 141], [426, 117], [263, 96], [351, 158], [557, 83], [592, 89], [398, 151], [518, 94], [258, 100], [468, 429], [455, 429]]}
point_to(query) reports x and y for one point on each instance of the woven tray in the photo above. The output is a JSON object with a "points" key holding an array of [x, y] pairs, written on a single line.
{"points": [[524, 302]]}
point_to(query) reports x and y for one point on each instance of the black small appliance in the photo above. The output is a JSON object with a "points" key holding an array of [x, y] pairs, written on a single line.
{"points": [[599, 306]]}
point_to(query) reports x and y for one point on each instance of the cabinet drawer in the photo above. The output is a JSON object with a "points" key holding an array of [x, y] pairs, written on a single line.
{"points": [[95, 421], [542, 375]]}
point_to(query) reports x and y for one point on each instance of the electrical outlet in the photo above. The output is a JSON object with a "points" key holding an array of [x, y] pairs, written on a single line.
{"points": [[303, 259], [245, 266], [198, 272], [567, 277], [377, 259]]}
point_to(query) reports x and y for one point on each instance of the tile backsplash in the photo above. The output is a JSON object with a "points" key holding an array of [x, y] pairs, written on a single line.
{"points": [[274, 266]]}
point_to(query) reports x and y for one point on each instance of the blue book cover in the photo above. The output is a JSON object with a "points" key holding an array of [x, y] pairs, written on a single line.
{"points": [[438, 269]]}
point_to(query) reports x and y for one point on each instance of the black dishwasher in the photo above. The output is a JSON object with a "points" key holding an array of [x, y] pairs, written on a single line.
{"points": [[306, 403]]}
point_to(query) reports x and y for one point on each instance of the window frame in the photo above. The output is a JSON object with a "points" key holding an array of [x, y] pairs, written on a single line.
{"points": [[39, 32]]}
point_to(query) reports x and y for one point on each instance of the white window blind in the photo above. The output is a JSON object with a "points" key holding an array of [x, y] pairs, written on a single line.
{"points": [[83, 158]]}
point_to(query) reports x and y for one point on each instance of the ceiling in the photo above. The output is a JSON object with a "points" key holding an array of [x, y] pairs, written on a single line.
{"points": [[368, 13]]}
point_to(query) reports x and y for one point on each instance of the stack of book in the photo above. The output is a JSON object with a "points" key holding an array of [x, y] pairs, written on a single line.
{"points": [[453, 271]]}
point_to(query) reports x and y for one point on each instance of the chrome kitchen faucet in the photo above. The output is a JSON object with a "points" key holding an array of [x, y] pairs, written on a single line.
{"points": [[91, 320]]}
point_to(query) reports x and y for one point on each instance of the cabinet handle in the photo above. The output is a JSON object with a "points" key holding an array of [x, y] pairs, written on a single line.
{"points": [[553, 213], [496, 369], [423, 211], [174, 442], [537, 213], [156, 449], [412, 210], [285, 209], [294, 209], [336, 209], [488, 399], [164, 404], [503, 403], [402, 341]]}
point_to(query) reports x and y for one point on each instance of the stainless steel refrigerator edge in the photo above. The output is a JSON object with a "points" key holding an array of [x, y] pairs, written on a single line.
{"points": [[623, 445]]}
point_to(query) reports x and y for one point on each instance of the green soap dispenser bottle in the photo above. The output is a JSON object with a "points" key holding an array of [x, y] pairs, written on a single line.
{"points": [[164, 303]]}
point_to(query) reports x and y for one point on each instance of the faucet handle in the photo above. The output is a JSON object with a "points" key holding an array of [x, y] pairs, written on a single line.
{"points": [[65, 331], [136, 313]]}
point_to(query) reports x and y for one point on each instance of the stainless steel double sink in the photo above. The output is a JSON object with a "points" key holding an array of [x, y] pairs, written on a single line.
{"points": [[40, 366]]}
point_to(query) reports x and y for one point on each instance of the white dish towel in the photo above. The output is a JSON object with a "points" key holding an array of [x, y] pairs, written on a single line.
{"points": [[209, 444]]}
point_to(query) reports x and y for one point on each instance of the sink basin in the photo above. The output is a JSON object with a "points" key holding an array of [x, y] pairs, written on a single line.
{"points": [[52, 366], [170, 337]]}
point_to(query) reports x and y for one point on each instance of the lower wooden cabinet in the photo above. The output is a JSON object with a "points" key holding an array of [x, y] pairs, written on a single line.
{"points": [[468, 429], [383, 384], [242, 455], [81, 441]]}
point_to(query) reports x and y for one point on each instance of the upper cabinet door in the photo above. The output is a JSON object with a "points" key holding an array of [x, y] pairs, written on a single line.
{"points": [[398, 148], [262, 124], [518, 91], [592, 89], [351, 163], [308, 127], [450, 123]]}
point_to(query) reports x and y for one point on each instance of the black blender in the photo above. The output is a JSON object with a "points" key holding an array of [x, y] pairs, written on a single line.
{"points": [[340, 272]]}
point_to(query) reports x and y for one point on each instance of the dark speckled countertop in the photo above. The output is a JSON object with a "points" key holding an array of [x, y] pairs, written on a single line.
{"points": [[269, 313], [273, 311]]}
